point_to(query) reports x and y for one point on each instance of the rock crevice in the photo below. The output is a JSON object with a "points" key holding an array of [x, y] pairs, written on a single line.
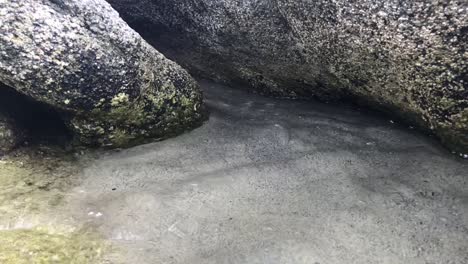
{"points": [[404, 57]]}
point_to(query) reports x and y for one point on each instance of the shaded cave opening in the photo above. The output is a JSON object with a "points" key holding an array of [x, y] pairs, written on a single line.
{"points": [[176, 45], [39, 123]]}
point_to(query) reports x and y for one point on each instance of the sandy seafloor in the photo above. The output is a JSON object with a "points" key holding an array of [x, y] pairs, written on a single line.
{"points": [[263, 181]]}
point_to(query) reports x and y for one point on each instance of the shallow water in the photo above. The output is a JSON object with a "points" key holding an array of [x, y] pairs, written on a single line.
{"points": [[275, 181]]}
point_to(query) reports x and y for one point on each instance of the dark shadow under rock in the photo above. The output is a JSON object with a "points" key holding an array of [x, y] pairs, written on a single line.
{"points": [[10, 136], [31, 121]]}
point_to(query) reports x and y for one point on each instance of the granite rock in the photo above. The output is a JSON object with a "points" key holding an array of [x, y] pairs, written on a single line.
{"points": [[109, 85], [408, 58]]}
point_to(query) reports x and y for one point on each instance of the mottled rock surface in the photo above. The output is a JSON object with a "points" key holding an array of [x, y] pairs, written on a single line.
{"points": [[405, 57], [110, 86], [10, 134]]}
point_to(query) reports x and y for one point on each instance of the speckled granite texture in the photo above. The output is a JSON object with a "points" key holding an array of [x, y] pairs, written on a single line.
{"points": [[110, 86], [405, 57]]}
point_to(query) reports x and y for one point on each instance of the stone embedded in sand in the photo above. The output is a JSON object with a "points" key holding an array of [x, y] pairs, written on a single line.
{"points": [[10, 134], [405, 57], [110, 86]]}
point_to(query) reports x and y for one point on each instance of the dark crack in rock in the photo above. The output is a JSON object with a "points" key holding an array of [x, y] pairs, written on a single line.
{"points": [[408, 58], [110, 86]]}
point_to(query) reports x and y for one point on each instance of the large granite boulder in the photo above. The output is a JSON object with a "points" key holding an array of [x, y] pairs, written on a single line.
{"points": [[406, 57], [109, 85]]}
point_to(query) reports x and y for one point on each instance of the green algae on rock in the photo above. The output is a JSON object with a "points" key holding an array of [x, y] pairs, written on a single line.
{"points": [[41, 245], [35, 226], [406, 57], [25, 190], [110, 86], [34, 183]]}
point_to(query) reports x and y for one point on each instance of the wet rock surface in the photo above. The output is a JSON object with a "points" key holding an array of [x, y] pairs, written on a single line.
{"points": [[110, 87], [404, 57]]}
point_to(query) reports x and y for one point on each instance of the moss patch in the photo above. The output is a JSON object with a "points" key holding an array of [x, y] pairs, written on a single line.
{"points": [[30, 184], [33, 184], [43, 246]]}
